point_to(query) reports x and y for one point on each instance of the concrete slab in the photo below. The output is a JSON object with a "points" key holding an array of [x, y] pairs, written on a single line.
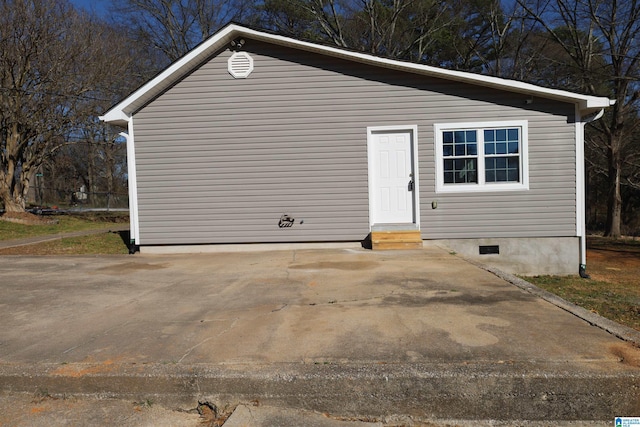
{"points": [[345, 331]]}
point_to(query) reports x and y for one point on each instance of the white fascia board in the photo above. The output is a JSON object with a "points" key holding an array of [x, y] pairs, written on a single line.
{"points": [[585, 102], [167, 77], [175, 71], [116, 117]]}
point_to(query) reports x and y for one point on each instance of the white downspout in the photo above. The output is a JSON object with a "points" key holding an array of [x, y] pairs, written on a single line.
{"points": [[133, 185], [581, 220]]}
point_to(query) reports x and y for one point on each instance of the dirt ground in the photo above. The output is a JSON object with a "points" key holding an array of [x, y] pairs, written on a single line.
{"points": [[614, 261], [614, 291], [26, 218]]}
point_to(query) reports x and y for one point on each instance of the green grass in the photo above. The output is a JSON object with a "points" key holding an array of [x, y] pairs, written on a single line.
{"points": [[614, 289], [618, 303], [66, 223], [95, 244], [106, 243]]}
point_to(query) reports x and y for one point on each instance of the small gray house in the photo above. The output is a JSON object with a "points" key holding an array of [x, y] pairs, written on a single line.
{"points": [[258, 138]]}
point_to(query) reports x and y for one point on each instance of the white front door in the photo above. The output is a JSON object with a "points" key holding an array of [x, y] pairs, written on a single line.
{"points": [[392, 180]]}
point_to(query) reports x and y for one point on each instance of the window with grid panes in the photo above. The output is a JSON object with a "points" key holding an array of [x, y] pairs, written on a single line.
{"points": [[480, 157]]}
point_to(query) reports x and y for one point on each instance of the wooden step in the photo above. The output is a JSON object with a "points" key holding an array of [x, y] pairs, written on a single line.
{"points": [[396, 239], [387, 246]]}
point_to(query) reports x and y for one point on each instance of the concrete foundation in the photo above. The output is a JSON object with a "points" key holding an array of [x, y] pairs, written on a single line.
{"points": [[523, 256], [244, 247]]}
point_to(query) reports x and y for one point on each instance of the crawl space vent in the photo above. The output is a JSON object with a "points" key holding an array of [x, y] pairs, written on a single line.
{"points": [[490, 250], [240, 65]]}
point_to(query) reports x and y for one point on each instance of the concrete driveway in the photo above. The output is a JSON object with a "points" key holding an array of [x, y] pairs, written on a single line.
{"points": [[346, 331]]}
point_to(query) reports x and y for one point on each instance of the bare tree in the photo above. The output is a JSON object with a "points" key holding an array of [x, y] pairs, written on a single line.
{"points": [[407, 29], [42, 51], [174, 27], [588, 31], [328, 15], [57, 69], [399, 29], [287, 17], [498, 39]]}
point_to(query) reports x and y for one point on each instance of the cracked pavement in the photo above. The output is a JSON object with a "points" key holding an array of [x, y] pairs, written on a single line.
{"points": [[289, 316], [275, 307]]}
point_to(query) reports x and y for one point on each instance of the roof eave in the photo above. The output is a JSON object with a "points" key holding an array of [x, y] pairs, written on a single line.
{"points": [[166, 78], [135, 101], [587, 103], [116, 117], [594, 105]]}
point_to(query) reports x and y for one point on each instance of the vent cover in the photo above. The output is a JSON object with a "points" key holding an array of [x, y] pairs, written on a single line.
{"points": [[240, 65], [490, 250]]}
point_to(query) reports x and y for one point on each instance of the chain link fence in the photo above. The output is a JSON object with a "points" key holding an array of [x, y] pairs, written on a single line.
{"points": [[44, 197]]}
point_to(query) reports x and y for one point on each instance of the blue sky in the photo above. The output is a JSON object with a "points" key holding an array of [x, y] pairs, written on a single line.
{"points": [[99, 6]]}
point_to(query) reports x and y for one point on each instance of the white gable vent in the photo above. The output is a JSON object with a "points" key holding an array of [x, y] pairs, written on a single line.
{"points": [[240, 65]]}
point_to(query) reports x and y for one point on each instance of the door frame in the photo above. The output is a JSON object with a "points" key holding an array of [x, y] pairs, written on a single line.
{"points": [[413, 131]]}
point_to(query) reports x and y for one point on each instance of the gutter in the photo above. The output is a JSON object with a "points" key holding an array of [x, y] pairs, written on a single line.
{"points": [[126, 121], [580, 178]]}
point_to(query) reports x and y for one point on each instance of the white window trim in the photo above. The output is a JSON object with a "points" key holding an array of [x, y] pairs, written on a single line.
{"points": [[482, 186]]}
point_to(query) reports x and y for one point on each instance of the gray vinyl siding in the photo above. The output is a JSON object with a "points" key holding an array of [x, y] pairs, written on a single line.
{"points": [[219, 159]]}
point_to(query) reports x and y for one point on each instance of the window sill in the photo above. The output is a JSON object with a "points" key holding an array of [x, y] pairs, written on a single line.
{"points": [[474, 188]]}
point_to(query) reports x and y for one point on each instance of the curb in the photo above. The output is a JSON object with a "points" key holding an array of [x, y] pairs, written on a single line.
{"points": [[623, 332], [497, 390]]}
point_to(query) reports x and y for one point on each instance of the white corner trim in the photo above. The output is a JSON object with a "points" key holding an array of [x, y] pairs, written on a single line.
{"points": [[441, 188], [134, 222], [580, 177], [581, 199]]}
